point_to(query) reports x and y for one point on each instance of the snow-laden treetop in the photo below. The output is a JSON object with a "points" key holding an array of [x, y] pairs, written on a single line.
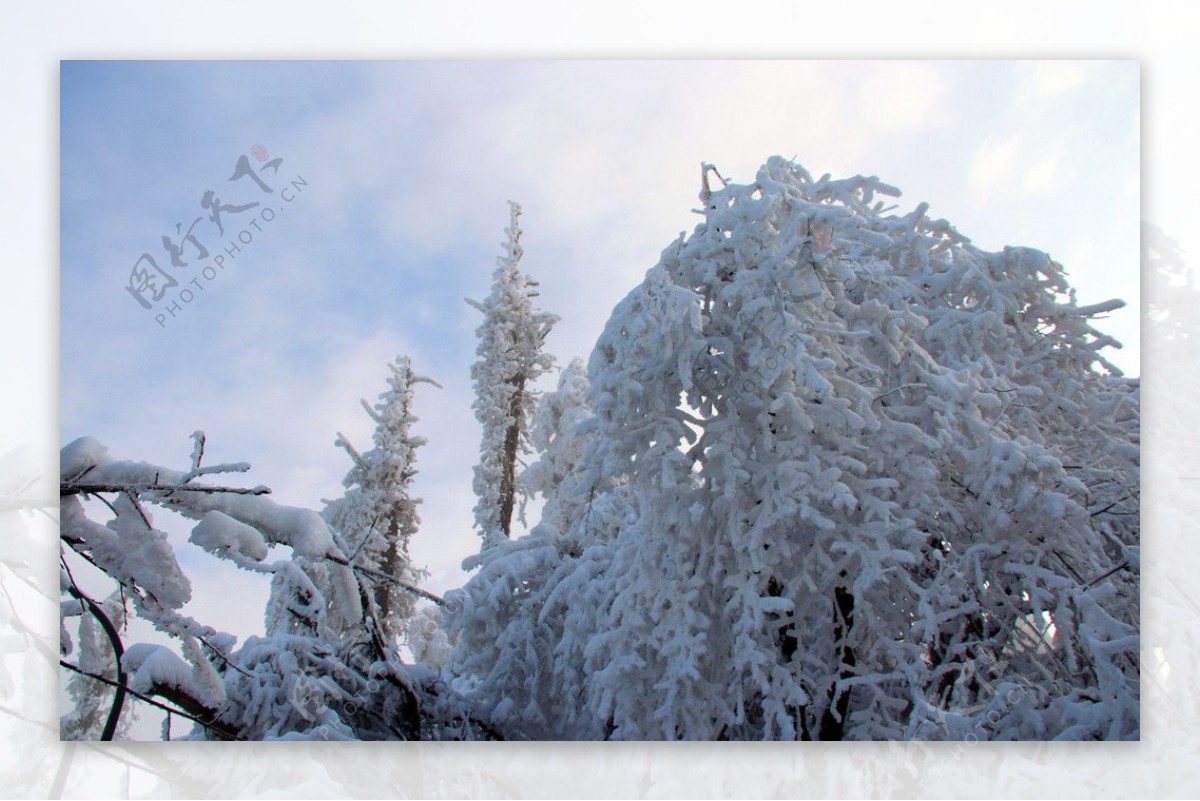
{"points": [[847, 476]]}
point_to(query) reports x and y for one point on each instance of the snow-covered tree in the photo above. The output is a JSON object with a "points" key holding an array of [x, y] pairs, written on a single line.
{"points": [[507, 624], [376, 515], [558, 435], [311, 676], [510, 360], [861, 480], [833, 473]]}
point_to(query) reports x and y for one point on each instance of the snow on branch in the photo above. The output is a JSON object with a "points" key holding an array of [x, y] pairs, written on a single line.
{"points": [[89, 488], [831, 453]]}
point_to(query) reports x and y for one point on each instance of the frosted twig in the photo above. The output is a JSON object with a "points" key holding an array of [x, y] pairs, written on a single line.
{"points": [[705, 189], [197, 450], [366, 571], [900, 388], [345, 445], [229, 467], [374, 415], [91, 489]]}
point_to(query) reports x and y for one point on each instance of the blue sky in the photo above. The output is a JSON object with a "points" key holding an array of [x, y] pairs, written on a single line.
{"points": [[406, 168]]}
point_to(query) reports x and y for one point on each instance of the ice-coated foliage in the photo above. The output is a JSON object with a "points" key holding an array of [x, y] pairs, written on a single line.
{"points": [[427, 639], [558, 435], [831, 473], [510, 360], [850, 477], [326, 668], [376, 516]]}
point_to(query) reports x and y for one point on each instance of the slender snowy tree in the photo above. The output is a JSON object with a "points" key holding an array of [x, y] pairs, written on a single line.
{"points": [[876, 483], [377, 516], [511, 359], [508, 625]]}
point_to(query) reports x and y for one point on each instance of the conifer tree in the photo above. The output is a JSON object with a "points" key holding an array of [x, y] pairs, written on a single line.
{"points": [[511, 359], [377, 516], [559, 436]]}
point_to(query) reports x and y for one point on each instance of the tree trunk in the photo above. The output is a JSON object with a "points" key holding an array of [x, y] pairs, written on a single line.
{"points": [[512, 441]]}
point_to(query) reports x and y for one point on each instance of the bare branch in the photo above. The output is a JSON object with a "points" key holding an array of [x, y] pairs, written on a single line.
{"points": [[1111, 505], [1105, 575]]}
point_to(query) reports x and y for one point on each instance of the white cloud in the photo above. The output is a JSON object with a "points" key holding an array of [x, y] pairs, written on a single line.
{"points": [[1040, 177], [1044, 80], [995, 164], [902, 96]]}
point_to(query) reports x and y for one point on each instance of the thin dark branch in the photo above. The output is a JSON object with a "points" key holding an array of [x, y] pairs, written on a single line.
{"points": [[1111, 505], [1078, 578], [76, 545], [963, 487], [893, 391], [366, 571], [104, 501], [363, 544], [141, 512], [1105, 575], [224, 658], [83, 472], [208, 725], [114, 713], [75, 489]]}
